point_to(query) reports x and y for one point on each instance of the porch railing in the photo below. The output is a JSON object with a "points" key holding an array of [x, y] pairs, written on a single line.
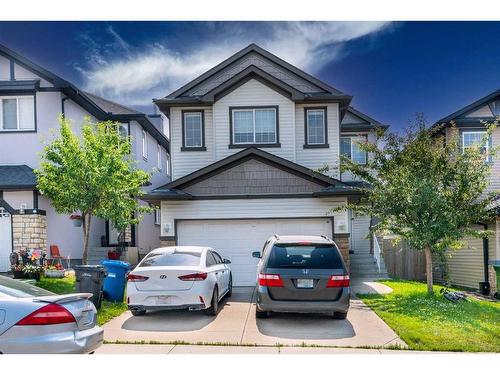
{"points": [[377, 252]]}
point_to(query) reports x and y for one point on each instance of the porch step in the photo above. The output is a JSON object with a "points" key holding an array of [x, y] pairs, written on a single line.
{"points": [[363, 265]]}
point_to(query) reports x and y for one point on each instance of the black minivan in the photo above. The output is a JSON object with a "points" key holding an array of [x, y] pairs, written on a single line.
{"points": [[302, 274]]}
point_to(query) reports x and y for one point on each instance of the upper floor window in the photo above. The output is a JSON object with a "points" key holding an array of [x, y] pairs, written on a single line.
{"points": [[316, 133], [17, 113], [350, 148], [475, 138], [157, 216], [254, 126], [123, 130], [167, 162], [158, 157], [144, 145], [193, 138]]}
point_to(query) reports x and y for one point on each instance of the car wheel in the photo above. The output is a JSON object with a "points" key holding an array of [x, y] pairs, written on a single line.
{"points": [[261, 314], [138, 312], [230, 287], [214, 304], [339, 315]]}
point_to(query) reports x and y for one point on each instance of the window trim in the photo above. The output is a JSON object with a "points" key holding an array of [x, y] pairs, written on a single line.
{"points": [[16, 96], [193, 148], [167, 164], [483, 132], [144, 145], [365, 136], [158, 157], [260, 145], [157, 216], [306, 123]]}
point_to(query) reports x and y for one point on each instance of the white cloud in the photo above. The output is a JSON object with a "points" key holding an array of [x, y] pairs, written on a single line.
{"points": [[134, 76]]}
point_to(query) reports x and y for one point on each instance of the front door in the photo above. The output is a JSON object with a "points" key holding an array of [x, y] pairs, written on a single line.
{"points": [[5, 239]]}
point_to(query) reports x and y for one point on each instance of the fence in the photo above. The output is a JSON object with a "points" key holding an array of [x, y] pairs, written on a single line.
{"points": [[402, 262]]}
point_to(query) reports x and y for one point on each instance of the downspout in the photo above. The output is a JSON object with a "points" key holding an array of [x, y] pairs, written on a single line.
{"points": [[62, 105], [485, 285]]}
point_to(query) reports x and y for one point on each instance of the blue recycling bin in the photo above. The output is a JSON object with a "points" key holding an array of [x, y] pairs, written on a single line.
{"points": [[115, 281]]}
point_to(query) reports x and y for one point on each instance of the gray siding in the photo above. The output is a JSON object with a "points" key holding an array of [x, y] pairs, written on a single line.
{"points": [[253, 177]]}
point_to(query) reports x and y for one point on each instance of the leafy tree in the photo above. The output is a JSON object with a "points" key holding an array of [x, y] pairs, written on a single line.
{"points": [[425, 188], [93, 175]]}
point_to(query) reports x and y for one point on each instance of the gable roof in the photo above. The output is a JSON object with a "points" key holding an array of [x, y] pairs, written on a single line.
{"points": [[358, 121], [321, 91], [100, 108], [173, 190], [459, 114], [15, 177]]}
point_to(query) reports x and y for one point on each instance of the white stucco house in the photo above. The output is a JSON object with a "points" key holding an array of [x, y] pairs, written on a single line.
{"points": [[247, 140], [31, 99]]}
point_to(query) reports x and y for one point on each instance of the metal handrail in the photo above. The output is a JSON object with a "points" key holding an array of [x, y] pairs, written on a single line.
{"points": [[377, 252]]}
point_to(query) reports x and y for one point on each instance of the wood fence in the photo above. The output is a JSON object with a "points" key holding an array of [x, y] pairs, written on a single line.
{"points": [[401, 261]]}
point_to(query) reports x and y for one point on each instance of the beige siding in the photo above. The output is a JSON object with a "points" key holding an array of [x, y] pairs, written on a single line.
{"points": [[254, 93], [4, 69], [185, 162], [319, 157], [465, 266], [254, 208], [483, 111], [22, 73]]}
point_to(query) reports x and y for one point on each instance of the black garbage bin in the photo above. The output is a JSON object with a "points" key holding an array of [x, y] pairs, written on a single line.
{"points": [[90, 279]]}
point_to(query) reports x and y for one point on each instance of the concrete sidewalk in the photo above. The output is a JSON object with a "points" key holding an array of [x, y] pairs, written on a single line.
{"points": [[209, 349], [236, 324]]}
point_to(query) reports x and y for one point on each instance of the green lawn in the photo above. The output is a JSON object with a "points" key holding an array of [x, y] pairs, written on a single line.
{"points": [[433, 323], [108, 310]]}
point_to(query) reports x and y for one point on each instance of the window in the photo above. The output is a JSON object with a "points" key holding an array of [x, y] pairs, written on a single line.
{"points": [[254, 126], [158, 157], [192, 131], [305, 256], [474, 138], [144, 145], [168, 165], [157, 216], [123, 130], [350, 147], [316, 127], [217, 257], [169, 259], [211, 261], [17, 113]]}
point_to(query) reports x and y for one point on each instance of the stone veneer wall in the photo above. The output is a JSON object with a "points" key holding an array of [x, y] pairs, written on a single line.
{"points": [[29, 231], [492, 276], [342, 241], [165, 243]]}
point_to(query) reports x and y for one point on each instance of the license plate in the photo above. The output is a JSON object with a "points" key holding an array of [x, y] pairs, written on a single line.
{"points": [[305, 283], [162, 300]]}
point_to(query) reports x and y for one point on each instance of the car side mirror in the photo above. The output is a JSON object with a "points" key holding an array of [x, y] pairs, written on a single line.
{"points": [[256, 254], [226, 261]]}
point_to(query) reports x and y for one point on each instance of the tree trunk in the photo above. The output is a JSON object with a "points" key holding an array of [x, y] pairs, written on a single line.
{"points": [[428, 269], [86, 231]]}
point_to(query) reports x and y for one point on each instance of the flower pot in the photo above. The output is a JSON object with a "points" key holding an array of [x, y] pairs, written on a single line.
{"points": [[18, 274], [77, 222], [34, 276], [113, 255], [56, 274]]}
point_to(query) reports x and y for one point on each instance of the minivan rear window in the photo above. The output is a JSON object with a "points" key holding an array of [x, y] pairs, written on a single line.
{"points": [[175, 258], [314, 256]]}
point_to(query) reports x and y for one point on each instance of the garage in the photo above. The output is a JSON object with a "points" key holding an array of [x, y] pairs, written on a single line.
{"points": [[236, 239]]}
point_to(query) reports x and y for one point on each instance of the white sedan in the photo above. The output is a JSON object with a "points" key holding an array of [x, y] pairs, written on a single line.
{"points": [[179, 277]]}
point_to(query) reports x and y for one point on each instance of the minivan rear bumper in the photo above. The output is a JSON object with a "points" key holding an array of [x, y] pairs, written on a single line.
{"points": [[266, 303]]}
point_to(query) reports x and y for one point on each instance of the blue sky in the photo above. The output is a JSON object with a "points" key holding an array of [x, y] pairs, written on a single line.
{"points": [[393, 70]]}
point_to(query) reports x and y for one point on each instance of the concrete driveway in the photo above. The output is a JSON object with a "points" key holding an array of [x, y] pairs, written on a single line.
{"points": [[236, 324]]}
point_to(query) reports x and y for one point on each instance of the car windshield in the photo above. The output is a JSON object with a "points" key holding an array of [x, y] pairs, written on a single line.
{"points": [[312, 256], [176, 258], [15, 288]]}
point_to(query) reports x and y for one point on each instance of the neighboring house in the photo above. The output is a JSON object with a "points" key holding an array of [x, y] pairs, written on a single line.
{"points": [[31, 99], [247, 139], [471, 265]]}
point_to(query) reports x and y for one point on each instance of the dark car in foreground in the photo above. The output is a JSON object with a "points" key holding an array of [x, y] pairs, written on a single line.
{"points": [[302, 274], [34, 320]]}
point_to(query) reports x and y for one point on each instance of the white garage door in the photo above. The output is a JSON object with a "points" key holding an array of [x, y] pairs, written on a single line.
{"points": [[237, 239], [5, 239]]}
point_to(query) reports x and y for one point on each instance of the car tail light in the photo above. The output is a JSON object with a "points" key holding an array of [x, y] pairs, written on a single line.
{"points": [[136, 278], [49, 314], [269, 279], [338, 281], [199, 276]]}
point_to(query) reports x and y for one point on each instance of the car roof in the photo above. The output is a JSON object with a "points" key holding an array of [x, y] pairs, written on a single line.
{"points": [[180, 249], [300, 238]]}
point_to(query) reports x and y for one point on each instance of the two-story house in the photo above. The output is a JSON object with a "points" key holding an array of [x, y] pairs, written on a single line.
{"points": [[255, 145], [31, 99], [471, 265]]}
